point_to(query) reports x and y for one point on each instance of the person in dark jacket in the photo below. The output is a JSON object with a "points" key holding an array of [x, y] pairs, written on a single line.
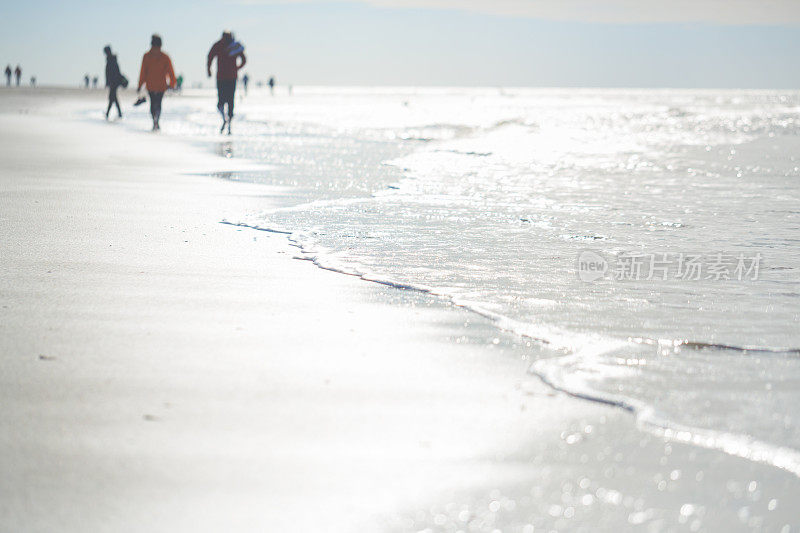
{"points": [[113, 80], [8, 75], [227, 52]]}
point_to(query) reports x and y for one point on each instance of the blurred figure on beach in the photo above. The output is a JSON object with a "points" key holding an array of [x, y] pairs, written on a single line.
{"points": [[114, 79], [227, 51], [179, 82], [157, 74], [8, 75], [245, 81], [94, 82], [86, 81], [33, 81], [271, 85], [18, 74]]}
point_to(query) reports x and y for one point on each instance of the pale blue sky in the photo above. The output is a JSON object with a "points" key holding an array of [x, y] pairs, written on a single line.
{"points": [[616, 43]]}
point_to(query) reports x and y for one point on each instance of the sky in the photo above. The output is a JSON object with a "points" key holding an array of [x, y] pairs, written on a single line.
{"points": [[535, 43]]}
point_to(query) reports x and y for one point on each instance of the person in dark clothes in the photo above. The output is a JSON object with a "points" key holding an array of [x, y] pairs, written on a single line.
{"points": [[18, 74], [8, 75], [113, 80], [227, 52], [272, 85]]}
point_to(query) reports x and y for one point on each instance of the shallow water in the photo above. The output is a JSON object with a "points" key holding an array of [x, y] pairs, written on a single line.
{"points": [[688, 199]]}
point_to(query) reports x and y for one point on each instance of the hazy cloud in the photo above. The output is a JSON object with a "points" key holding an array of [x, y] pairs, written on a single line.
{"points": [[749, 12]]}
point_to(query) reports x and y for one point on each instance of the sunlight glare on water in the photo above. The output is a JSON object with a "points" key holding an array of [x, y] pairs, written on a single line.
{"points": [[489, 196]]}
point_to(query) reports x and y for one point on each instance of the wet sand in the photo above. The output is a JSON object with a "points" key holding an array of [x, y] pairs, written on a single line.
{"points": [[165, 372]]}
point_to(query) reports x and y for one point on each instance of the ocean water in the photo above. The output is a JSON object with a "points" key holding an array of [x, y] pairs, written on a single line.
{"points": [[646, 242]]}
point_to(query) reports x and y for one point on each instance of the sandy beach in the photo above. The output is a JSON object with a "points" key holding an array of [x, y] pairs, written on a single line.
{"points": [[163, 371]]}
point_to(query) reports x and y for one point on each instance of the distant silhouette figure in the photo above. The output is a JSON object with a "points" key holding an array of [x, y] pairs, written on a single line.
{"points": [[114, 79], [86, 81], [271, 83], [290, 88], [8, 75], [33, 81], [157, 73], [18, 74], [245, 81], [180, 83], [226, 51], [94, 82]]}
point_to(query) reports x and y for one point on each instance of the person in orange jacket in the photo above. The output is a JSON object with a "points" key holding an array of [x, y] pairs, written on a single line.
{"points": [[157, 74]]}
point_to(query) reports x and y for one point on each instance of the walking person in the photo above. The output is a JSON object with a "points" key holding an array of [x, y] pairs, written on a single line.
{"points": [[271, 83], [245, 81], [157, 74], [8, 75], [227, 51], [114, 79], [18, 74]]}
